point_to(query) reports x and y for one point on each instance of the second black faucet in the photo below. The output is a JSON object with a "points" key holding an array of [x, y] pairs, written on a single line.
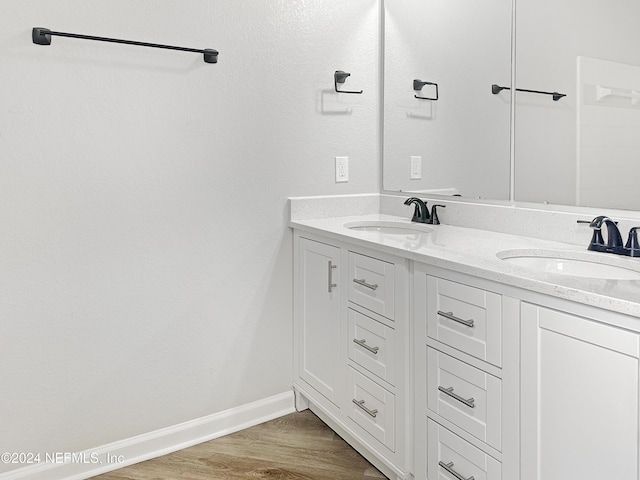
{"points": [[421, 212], [614, 239]]}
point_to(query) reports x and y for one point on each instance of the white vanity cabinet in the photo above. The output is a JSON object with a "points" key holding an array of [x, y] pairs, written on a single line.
{"points": [[319, 317], [580, 396], [466, 377], [435, 374], [512, 384], [351, 333]]}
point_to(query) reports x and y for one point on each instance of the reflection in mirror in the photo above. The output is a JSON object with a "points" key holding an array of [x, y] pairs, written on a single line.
{"points": [[584, 149], [456, 138]]}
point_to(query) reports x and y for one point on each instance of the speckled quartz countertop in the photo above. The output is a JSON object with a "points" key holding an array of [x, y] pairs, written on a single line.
{"points": [[475, 252]]}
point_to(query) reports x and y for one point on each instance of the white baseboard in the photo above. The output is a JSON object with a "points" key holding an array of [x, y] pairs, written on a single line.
{"points": [[137, 449]]}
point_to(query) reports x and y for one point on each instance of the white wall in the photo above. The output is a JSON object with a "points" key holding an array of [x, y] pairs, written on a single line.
{"points": [[145, 261]]}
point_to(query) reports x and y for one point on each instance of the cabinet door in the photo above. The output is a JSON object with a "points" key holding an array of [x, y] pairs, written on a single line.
{"points": [[319, 317], [579, 398]]}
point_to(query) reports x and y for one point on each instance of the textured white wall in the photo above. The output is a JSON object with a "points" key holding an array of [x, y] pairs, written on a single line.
{"points": [[145, 261]]}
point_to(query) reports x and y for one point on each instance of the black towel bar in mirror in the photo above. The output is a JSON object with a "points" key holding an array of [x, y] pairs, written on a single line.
{"points": [[495, 89]]}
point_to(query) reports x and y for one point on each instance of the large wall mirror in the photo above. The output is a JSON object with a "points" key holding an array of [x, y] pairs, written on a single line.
{"points": [[580, 147]]}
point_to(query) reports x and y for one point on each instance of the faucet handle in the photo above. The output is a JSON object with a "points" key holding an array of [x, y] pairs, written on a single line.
{"points": [[632, 246], [434, 214], [596, 239]]}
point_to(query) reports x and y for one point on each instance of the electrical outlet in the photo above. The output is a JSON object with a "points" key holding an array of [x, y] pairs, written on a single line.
{"points": [[416, 168], [342, 169]]}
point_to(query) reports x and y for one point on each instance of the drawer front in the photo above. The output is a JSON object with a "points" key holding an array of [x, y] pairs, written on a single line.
{"points": [[373, 408], [450, 457], [371, 284], [371, 345], [466, 318], [465, 395]]}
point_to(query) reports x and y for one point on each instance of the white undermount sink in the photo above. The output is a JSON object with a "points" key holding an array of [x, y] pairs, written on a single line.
{"points": [[575, 264], [389, 227]]}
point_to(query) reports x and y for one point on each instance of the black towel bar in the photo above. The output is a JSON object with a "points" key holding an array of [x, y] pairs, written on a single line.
{"points": [[42, 36], [495, 89]]}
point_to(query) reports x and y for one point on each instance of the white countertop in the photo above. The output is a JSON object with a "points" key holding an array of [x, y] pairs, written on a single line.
{"points": [[474, 252]]}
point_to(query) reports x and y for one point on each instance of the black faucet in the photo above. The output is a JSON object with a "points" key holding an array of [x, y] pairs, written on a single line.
{"points": [[421, 212], [614, 239]]}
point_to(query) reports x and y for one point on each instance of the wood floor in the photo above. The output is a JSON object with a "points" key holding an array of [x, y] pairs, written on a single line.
{"points": [[295, 447]]}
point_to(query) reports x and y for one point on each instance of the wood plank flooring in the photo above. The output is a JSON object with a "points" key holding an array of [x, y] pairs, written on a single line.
{"points": [[295, 447]]}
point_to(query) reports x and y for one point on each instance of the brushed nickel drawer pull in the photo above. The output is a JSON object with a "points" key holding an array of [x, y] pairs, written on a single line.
{"points": [[330, 276], [360, 403], [451, 316], [363, 344], [449, 391], [372, 286], [449, 468]]}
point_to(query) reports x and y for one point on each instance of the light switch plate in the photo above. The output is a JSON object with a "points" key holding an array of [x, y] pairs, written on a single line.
{"points": [[416, 168], [342, 169]]}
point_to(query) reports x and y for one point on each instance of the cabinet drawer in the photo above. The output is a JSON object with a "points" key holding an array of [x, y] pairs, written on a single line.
{"points": [[465, 318], [465, 395], [372, 408], [371, 345], [371, 284], [448, 453]]}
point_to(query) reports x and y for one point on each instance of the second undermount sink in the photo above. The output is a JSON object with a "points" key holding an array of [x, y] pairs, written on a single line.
{"points": [[388, 227], [575, 264]]}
